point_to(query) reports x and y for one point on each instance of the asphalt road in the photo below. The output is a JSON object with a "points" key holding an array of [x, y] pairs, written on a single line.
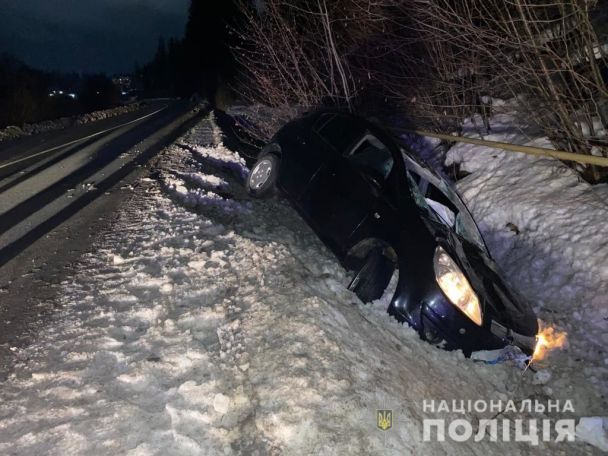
{"points": [[41, 177], [58, 191], [18, 154]]}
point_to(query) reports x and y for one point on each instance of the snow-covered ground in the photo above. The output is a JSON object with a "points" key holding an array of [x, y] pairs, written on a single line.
{"points": [[209, 323], [546, 227]]}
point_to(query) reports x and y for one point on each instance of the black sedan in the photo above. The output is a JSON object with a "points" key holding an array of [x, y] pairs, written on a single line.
{"points": [[379, 208]]}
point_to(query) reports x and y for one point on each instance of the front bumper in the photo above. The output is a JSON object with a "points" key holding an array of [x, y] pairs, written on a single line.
{"points": [[459, 332], [526, 343]]}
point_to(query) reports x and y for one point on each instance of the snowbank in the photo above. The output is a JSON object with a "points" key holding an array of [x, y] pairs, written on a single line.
{"points": [[544, 225], [14, 132], [209, 323]]}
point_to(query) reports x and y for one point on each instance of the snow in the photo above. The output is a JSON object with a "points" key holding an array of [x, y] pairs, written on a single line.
{"points": [[594, 430], [205, 322], [543, 224], [14, 132]]}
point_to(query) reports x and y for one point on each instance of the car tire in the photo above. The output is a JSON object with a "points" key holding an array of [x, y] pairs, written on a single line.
{"points": [[261, 182], [372, 277]]}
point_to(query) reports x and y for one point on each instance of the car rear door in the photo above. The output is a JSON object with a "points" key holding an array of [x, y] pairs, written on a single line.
{"points": [[307, 149], [349, 194], [327, 140]]}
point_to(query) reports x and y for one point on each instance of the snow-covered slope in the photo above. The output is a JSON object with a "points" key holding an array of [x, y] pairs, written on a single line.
{"points": [[546, 228], [210, 323]]}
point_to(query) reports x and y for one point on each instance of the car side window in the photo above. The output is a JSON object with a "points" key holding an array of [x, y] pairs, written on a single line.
{"points": [[418, 186], [372, 157], [439, 203], [445, 209], [337, 130]]}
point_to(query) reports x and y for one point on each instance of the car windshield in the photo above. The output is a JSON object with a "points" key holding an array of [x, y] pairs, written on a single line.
{"points": [[439, 202]]}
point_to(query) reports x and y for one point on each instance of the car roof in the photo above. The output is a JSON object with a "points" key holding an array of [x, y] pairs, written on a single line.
{"points": [[377, 128]]}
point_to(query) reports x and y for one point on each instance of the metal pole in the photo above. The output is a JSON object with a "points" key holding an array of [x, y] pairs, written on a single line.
{"points": [[559, 154]]}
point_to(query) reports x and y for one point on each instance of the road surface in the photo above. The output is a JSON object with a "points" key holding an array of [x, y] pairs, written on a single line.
{"points": [[24, 151], [57, 190], [46, 179]]}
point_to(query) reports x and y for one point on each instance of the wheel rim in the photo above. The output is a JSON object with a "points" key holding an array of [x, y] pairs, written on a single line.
{"points": [[260, 174]]}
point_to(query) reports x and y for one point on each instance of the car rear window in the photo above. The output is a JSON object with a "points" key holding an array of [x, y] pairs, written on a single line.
{"points": [[338, 130]]}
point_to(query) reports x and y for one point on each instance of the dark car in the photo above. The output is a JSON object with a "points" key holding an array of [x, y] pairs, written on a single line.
{"points": [[380, 208]]}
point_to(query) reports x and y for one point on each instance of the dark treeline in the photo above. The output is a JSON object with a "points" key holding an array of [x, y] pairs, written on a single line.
{"points": [[163, 76], [200, 62], [29, 95]]}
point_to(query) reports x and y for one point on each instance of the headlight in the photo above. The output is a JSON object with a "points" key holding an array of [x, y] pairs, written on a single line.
{"points": [[456, 286]]}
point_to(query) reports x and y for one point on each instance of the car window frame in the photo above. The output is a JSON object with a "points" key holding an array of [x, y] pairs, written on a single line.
{"points": [[429, 177], [319, 124], [368, 134]]}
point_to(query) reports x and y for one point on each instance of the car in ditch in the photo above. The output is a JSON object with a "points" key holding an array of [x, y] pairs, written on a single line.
{"points": [[380, 209]]}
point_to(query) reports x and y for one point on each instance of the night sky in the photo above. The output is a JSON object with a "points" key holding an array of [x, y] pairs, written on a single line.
{"points": [[88, 35]]}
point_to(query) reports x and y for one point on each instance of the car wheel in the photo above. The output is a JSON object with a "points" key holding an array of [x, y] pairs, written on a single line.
{"points": [[372, 277], [263, 176]]}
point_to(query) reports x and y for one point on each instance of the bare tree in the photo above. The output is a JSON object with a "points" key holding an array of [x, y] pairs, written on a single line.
{"points": [[439, 61], [296, 55], [544, 53]]}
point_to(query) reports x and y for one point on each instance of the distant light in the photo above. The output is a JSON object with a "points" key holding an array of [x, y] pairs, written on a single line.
{"points": [[98, 92], [72, 96], [61, 92], [123, 93], [51, 94]]}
